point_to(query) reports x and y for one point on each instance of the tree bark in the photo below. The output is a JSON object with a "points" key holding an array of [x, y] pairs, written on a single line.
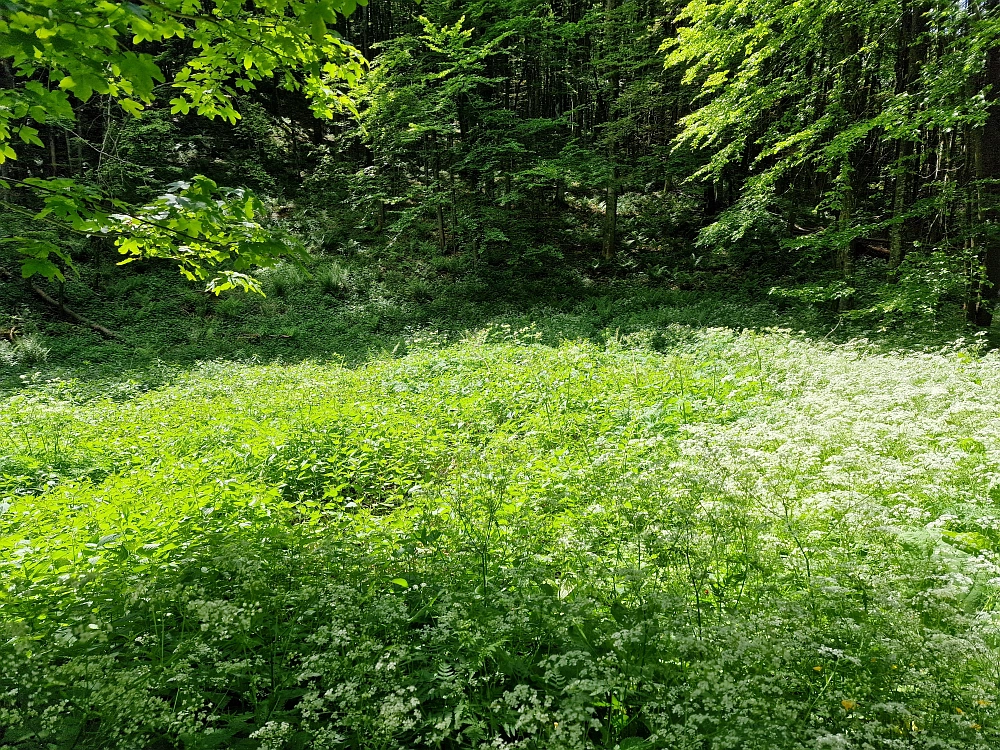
{"points": [[900, 190], [75, 316], [442, 242], [851, 85], [611, 218], [984, 155], [988, 170], [911, 55], [53, 161], [845, 252]]}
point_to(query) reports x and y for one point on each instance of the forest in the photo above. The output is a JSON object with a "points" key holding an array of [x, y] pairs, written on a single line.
{"points": [[499, 375]]}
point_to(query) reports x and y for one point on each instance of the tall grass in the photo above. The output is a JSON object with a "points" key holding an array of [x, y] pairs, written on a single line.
{"points": [[745, 540]]}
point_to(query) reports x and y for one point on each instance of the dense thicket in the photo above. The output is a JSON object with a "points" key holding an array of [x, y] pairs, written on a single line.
{"points": [[796, 137]]}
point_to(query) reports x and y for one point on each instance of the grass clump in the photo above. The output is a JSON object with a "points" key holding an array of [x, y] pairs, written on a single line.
{"points": [[27, 350], [283, 279], [334, 278], [745, 540]]}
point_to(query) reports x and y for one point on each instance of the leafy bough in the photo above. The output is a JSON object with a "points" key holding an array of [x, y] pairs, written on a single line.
{"points": [[63, 52], [211, 231]]}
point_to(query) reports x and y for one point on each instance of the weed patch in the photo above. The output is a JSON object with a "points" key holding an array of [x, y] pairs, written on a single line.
{"points": [[742, 540]]}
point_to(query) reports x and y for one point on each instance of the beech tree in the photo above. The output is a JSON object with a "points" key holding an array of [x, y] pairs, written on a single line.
{"points": [[58, 54], [851, 125]]}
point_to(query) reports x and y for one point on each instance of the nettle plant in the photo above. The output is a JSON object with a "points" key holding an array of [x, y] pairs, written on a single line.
{"points": [[62, 53]]}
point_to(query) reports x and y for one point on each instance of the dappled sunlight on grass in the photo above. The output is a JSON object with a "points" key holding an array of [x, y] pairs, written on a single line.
{"points": [[747, 539]]}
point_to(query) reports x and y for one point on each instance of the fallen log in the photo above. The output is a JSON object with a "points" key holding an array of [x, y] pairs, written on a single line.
{"points": [[76, 316]]}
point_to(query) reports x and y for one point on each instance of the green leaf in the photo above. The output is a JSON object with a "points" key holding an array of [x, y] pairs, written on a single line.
{"points": [[41, 267], [179, 105], [29, 135], [131, 106]]}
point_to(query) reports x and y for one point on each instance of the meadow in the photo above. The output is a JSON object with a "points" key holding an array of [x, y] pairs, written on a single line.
{"points": [[578, 375], [667, 535]]}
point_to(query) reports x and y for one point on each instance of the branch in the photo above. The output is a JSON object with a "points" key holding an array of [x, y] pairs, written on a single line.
{"points": [[76, 316], [226, 28], [179, 15], [147, 222]]}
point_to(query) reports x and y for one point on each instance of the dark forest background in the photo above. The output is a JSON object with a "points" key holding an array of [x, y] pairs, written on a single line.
{"points": [[834, 165]]}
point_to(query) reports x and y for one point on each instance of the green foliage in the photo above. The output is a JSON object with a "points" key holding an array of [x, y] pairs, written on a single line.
{"points": [[792, 100], [77, 44], [39, 257], [284, 279], [925, 282], [213, 230], [334, 278], [27, 350], [741, 542], [455, 482], [62, 52]]}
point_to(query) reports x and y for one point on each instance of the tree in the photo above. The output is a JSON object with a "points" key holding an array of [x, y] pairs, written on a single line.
{"points": [[849, 125], [58, 54]]}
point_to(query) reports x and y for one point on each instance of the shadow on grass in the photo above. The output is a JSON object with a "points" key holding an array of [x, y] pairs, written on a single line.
{"points": [[351, 309]]}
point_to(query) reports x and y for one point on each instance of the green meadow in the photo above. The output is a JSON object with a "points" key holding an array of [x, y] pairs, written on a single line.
{"points": [[713, 539]]}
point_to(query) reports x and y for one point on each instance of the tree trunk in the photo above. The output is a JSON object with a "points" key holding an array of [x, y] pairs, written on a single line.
{"points": [[611, 218], [900, 191], [845, 252], [976, 308], [853, 101], [454, 202], [69, 155], [988, 169], [984, 154], [911, 55], [440, 225], [53, 162]]}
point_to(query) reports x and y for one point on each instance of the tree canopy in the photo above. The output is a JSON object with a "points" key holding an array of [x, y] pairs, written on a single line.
{"points": [[60, 53], [803, 137]]}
